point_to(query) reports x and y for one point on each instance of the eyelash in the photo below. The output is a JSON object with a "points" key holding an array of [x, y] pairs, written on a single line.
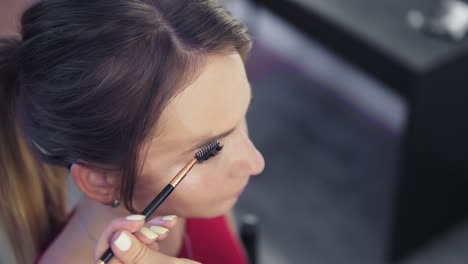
{"points": [[220, 140]]}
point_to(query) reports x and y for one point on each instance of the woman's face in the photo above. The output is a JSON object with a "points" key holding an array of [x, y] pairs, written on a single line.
{"points": [[211, 108]]}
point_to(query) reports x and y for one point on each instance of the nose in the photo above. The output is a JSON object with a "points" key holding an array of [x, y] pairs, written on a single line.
{"points": [[249, 160], [257, 161]]}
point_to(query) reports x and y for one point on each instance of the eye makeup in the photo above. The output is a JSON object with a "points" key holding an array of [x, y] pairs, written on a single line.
{"points": [[203, 154]]}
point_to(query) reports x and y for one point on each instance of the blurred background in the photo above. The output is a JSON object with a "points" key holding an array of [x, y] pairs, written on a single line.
{"points": [[360, 111]]}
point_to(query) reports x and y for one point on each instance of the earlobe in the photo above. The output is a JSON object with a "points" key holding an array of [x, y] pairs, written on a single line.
{"points": [[93, 183]]}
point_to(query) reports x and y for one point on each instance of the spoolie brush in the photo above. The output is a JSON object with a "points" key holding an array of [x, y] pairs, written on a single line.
{"points": [[204, 154], [208, 151]]}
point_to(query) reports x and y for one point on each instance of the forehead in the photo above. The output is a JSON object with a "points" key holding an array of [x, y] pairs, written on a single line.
{"points": [[215, 102]]}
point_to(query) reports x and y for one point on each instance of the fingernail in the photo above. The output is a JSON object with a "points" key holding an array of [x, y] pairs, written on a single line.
{"points": [[123, 242], [148, 233], [135, 217], [169, 217], [159, 230]]}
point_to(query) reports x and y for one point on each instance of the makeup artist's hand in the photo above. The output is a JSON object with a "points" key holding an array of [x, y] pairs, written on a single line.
{"points": [[135, 242]]}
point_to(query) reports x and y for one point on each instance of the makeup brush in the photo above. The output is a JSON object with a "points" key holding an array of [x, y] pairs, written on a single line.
{"points": [[204, 154]]}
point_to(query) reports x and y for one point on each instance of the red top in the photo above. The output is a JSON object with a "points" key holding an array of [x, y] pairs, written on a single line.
{"points": [[209, 241]]}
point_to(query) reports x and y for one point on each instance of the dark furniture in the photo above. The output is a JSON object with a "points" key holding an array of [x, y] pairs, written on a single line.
{"points": [[433, 76]]}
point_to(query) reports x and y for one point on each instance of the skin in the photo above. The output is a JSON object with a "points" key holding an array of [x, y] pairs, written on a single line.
{"points": [[215, 103], [10, 11]]}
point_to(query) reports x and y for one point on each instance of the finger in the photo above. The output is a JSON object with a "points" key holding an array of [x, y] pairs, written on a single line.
{"points": [[153, 246], [156, 229], [132, 223], [146, 235], [128, 249], [162, 225], [168, 221], [112, 261]]}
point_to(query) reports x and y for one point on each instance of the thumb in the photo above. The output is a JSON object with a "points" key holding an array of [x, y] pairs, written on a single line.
{"points": [[129, 250]]}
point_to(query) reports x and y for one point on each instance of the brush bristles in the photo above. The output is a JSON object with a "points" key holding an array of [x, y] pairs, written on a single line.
{"points": [[208, 151]]}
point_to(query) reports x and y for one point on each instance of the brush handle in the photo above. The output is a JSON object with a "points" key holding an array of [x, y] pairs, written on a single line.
{"points": [[147, 212]]}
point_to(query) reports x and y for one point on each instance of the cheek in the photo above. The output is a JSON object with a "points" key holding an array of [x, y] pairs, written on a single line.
{"points": [[202, 193], [199, 189], [198, 195], [151, 182], [199, 186]]}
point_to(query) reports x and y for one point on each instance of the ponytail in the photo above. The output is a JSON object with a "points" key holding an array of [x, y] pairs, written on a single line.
{"points": [[32, 194]]}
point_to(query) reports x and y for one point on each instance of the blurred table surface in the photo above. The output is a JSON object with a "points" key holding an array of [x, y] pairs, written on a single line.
{"points": [[432, 74], [370, 32]]}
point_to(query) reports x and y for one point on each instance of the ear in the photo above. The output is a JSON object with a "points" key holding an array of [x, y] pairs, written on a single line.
{"points": [[97, 185]]}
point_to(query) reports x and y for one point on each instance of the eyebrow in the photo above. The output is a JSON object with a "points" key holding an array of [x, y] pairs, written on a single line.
{"points": [[208, 140]]}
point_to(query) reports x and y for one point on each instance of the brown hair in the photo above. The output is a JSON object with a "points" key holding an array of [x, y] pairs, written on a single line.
{"points": [[86, 84]]}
